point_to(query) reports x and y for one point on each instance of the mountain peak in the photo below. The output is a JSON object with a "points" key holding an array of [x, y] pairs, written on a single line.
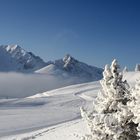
{"points": [[67, 57], [15, 50], [68, 60], [12, 47], [24, 61], [69, 66]]}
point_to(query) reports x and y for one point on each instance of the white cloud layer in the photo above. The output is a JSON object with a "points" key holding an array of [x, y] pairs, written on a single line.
{"points": [[19, 85]]}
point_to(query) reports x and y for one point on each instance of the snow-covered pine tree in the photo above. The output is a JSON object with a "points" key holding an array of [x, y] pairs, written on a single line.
{"points": [[134, 104], [112, 119], [137, 68], [125, 69]]}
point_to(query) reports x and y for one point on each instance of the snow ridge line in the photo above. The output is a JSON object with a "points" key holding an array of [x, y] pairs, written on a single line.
{"points": [[82, 94]]}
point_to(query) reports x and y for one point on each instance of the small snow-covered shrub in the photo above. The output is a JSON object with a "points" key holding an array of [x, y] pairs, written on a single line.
{"points": [[125, 69], [137, 68]]}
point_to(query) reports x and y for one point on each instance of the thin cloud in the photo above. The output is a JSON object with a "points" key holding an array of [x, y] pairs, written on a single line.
{"points": [[17, 85], [69, 34]]}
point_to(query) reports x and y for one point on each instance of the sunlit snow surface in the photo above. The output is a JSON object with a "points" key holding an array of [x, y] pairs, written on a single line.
{"points": [[52, 115]]}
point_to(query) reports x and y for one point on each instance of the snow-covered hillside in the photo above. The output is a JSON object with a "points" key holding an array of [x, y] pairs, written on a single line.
{"points": [[45, 109], [14, 58], [52, 115]]}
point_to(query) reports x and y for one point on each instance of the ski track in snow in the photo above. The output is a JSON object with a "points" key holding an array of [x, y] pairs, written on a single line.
{"points": [[44, 110], [53, 132]]}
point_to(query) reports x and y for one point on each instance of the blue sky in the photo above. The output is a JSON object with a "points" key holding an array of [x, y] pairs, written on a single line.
{"points": [[93, 31]]}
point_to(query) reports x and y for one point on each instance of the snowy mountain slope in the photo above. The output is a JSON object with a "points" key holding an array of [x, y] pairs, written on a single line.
{"points": [[51, 70], [6, 62], [47, 115], [48, 109], [132, 77], [69, 66], [73, 130], [14, 58]]}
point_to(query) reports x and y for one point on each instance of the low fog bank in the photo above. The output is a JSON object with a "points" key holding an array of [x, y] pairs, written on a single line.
{"points": [[18, 85]]}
